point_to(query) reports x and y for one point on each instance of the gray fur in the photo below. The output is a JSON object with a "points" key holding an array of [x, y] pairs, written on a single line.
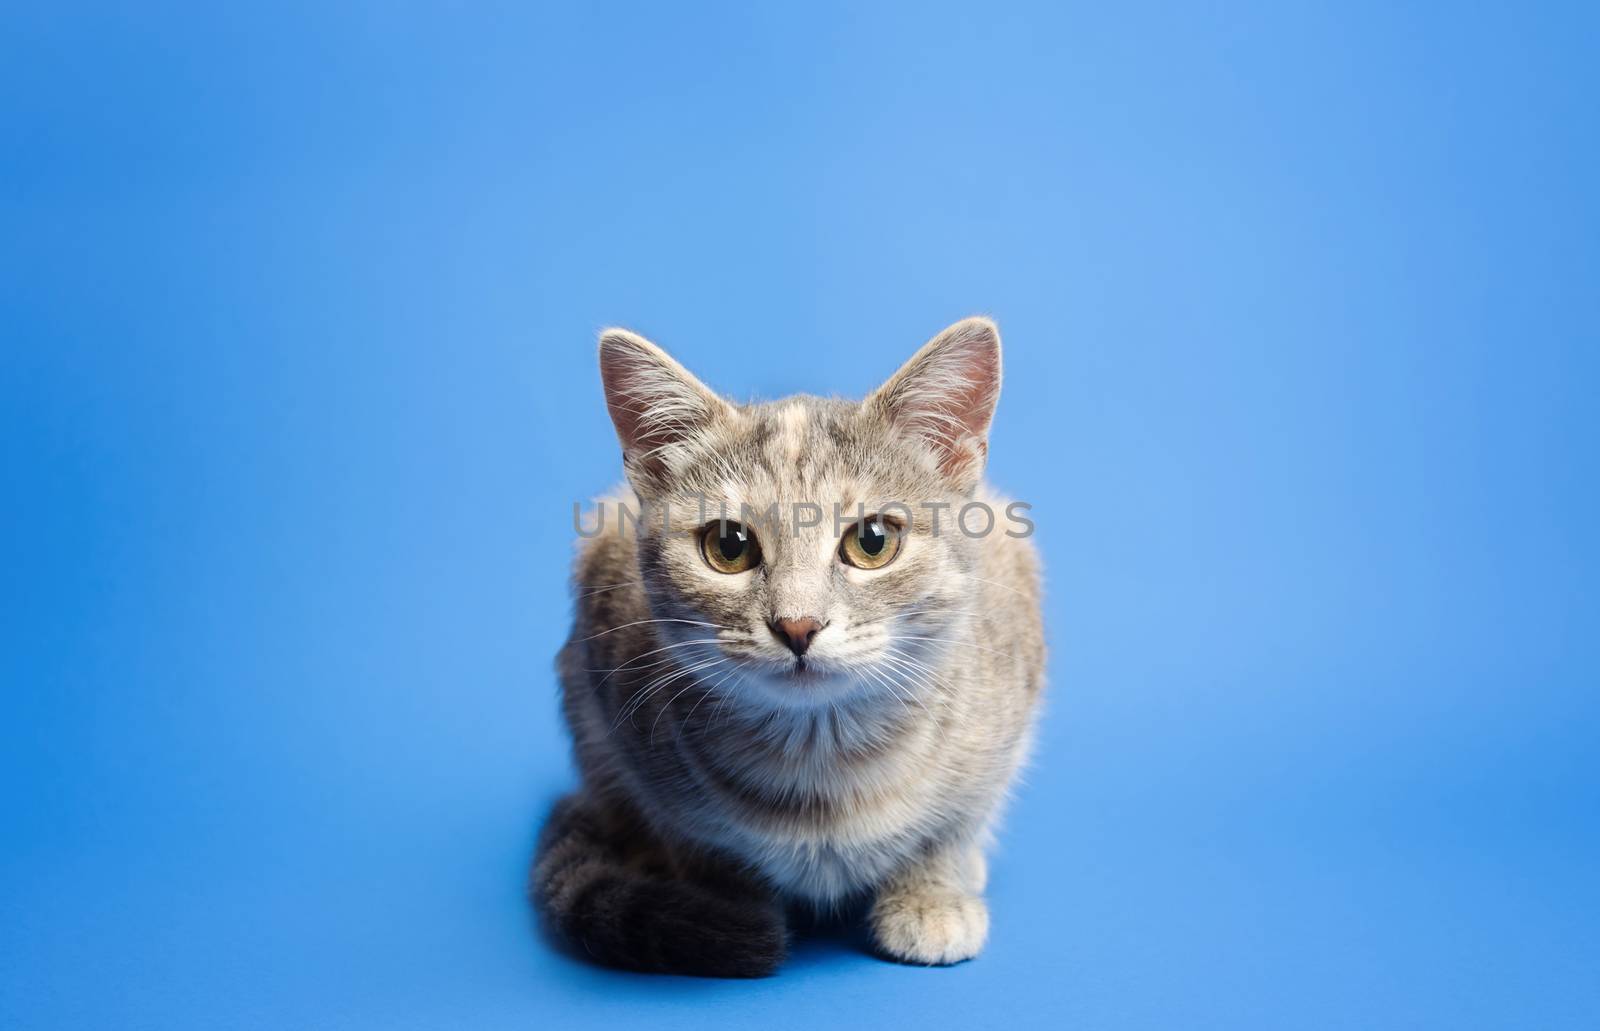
{"points": [[879, 775]]}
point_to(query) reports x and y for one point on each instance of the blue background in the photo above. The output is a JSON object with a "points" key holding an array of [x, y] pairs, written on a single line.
{"points": [[298, 311]]}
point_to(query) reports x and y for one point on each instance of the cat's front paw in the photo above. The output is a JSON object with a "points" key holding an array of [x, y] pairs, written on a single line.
{"points": [[934, 927]]}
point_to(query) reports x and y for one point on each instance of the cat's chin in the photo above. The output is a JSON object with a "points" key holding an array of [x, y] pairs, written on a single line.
{"points": [[803, 685], [804, 673]]}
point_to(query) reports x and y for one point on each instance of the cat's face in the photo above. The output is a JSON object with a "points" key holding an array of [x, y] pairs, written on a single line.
{"points": [[806, 550]]}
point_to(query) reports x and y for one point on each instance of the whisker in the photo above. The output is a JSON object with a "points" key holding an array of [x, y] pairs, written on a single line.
{"points": [[909, 674], [687, 687], [953, 643], [652, 651], [642, 622], [710, 690], [894, 689], [661, 683], [994, 583], [911, 660], [590, 591]]}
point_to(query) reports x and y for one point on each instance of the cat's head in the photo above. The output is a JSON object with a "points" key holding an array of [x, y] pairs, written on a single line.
{"points": [[807, 549]]}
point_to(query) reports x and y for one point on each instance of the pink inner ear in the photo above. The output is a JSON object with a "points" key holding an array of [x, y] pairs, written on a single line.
{"points": [[974, 405], [947, 394], [653, 400], [628, 409], [971, 408]]}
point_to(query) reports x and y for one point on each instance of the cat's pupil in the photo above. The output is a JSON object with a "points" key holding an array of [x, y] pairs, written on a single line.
{"points": [[731, 543], [872, 537]]}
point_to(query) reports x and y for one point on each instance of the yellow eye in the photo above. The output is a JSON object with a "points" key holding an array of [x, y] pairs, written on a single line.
{"points": [[729, 547], [870, 544]]}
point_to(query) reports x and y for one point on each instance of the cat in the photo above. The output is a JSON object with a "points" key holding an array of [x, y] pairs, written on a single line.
{"points": [[772, 711]]}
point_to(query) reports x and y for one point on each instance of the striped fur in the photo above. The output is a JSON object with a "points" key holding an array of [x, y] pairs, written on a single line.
{"points": [[718, 784], [619, 899]]}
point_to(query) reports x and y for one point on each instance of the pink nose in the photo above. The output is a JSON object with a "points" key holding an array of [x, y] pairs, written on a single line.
{"points": [[796, 633]]}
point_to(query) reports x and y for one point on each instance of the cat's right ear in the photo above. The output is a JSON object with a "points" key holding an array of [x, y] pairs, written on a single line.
{"points": [[655, 403], [946, 395]]}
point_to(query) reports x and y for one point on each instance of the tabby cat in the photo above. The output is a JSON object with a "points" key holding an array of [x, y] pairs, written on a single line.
{"points": [[794, 681]]}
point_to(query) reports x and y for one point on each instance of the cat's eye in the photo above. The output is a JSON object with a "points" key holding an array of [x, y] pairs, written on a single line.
{"points": [[872, 543], [729, 547]]}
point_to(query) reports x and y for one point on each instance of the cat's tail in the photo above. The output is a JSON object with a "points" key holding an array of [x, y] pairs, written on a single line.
{"points": [[591, 896]]}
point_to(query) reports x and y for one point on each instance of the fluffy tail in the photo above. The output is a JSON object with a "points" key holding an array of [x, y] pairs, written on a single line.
{"points": [[588, 894]]}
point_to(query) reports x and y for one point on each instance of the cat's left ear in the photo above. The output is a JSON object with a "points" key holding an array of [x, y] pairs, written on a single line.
{"points": [[946, 395], [655, 403]]}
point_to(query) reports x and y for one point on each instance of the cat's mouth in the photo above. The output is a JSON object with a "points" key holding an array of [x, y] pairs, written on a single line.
{"points": [[803, 683], [803, 671]]}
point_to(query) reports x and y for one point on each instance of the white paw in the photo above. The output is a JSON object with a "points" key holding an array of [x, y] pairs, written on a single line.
{"points": [[933, 926]]}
